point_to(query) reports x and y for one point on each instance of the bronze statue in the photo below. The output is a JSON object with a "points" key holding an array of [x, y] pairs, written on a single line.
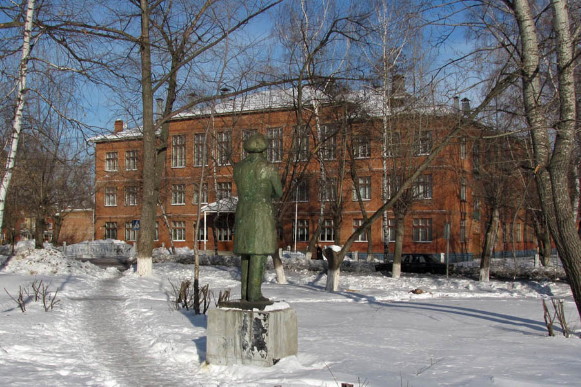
{"points": [[255, 238]]}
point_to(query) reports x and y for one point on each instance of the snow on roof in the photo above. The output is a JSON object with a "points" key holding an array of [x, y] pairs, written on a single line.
{"points": [[223, 205], [372, 101]]}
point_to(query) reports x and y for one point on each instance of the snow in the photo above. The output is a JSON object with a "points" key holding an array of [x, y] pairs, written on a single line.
{"points": [[118, 329]]}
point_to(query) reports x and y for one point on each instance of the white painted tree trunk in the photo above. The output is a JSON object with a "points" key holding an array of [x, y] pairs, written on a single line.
{"points": [[144, 266], [20, 100], [278, 268], [333, 279]]}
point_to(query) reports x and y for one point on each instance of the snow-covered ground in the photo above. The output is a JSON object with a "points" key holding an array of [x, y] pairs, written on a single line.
{"points": [[117, 329]]}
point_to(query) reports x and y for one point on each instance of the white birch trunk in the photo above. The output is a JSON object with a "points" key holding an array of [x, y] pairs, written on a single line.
{"points": [[20, 100], [333, 279]]}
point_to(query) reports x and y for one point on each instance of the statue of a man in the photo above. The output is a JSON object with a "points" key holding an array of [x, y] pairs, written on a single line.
{"points": [[255, 238]]}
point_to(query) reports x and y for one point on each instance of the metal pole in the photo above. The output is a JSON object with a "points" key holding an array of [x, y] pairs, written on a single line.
{"points": [[296, 215]]}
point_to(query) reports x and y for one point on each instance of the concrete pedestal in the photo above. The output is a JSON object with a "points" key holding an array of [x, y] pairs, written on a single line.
{"points": [[251, 337]]}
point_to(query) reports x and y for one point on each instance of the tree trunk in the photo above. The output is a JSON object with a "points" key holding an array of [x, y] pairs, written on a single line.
{"points": [[489, 242], [553, 160], [278, 268], [149, 207], [20, 101], [544, 242], [399, 234], [334, 261]]}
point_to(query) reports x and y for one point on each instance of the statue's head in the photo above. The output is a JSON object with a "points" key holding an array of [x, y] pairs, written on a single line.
{"points": [[255, 143]]}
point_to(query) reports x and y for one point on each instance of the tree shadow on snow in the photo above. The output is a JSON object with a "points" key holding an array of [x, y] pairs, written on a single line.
{"points": [[499, 318]]}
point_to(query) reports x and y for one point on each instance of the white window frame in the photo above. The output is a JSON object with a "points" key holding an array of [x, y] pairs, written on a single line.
{"points": [[424, 143], [275, 145], [110, 196], [224, 190], [131, 157], [422, 187], [110, 230], [328, 142], [224, 143], [131, 195], [111, 161], [422, 230], [178, 194], [130, 232], [178, 151], [327, 231], [178, 231], [364, 186], [364, 236], [200, 150], [361, 146]]}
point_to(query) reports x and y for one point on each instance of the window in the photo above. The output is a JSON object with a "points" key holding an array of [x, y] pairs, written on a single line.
{"points": [[110, 196], [302, 230], [178, 194], [178, 151], [463, 152], [423, 143], [156, 237], [463, 189], [246, 135], [130, 231], [327, 231], [202, 232], [361, 147], [462, 231], [363, 237], [390, 237], [200, 150], [392, 184], [224, 148], [178, 230], [111, 230], [518, 232], [476, 209], [422, 230], [302, 191], [422, 187], [111, 162], [393, 144], [328, 189], [224, 190], [131, 160], [204, 198], [364, 187], [301, 143], [274, 149], [223, 228], [131, 196], [476, 156], [328, 142]]}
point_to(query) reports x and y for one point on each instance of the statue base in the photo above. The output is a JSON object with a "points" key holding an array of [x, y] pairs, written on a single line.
{"points": [[238, 335]]}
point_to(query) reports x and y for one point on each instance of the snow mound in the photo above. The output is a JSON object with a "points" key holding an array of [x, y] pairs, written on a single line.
{"points": [[50, 261]]}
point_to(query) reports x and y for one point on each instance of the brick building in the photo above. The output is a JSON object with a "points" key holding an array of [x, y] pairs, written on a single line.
{"points": [[338, 159]]}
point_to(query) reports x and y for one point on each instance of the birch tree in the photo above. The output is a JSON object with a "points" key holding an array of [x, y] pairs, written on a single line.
{"points": [[552, 158], [20, 103]]}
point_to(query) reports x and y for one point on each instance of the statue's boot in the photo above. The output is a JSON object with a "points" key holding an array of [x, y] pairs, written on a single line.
{"points": [[256, 274]]}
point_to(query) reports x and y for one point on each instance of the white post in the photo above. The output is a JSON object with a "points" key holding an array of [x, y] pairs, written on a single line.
{"points": [[205, 232], [296, 215]]}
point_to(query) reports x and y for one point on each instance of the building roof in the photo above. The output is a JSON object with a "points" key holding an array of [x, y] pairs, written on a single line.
{"points": [[223, 205], [371, 100]]}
